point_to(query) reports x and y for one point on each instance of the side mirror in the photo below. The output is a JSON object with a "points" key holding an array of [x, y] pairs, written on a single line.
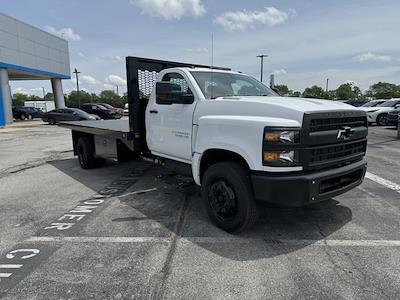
{"points": [[169, 93], [397, 106], [75, 113]]}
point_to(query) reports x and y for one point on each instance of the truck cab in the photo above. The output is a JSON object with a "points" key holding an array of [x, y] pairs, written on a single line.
{"points": [[243, 143]]}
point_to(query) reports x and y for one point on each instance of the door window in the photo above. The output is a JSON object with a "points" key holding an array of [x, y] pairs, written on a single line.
{"points": [[178, 80]]}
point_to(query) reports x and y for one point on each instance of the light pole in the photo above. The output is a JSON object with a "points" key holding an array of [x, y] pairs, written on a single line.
{"points": [[262, 65], [44, 94], [117, 90], [327, 84], [77, 86]]}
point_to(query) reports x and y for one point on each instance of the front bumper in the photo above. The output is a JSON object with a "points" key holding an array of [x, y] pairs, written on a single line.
{"points": [[393, 119], [305, 189]]}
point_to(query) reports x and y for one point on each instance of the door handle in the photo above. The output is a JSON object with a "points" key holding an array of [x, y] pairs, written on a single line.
{"points": [[153, 111]]}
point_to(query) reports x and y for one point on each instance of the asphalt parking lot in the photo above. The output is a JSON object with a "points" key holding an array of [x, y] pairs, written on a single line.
{"points": [[137, 231]]}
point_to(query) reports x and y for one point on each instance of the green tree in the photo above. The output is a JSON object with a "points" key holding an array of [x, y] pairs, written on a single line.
{"points": [[348, 91], [383, 90], [72, 99], [111, 98], [18, 99], [49, 97], [34, 98], [314, 92], [282, 90]]}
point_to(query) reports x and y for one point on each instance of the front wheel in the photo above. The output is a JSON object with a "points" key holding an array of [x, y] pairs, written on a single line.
{"points": [[228, 197], [381, 120], [22, 117]]}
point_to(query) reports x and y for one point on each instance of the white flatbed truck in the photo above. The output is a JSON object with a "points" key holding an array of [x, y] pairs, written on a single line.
{"points": [[240, 141]]}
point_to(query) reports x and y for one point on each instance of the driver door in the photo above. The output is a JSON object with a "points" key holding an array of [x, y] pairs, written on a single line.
{"points": [[169, 126]]}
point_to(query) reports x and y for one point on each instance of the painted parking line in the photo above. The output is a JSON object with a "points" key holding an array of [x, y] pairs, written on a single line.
{"points": [[382, 181], [91, 239], [219, 240]]}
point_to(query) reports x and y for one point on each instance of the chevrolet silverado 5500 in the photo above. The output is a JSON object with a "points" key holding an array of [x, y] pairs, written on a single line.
{"points": [[242, 143]]}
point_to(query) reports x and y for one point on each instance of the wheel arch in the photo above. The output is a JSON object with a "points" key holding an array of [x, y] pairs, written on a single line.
{"points": [[215, 155]]}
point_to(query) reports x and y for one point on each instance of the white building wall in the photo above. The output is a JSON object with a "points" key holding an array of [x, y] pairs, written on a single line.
{"points": [[27, 46]]}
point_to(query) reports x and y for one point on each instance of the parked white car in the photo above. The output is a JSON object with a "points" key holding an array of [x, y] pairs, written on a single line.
{"points": [[373, 103], [378, 114]]}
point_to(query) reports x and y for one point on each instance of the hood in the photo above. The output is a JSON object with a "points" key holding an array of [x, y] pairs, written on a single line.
{"points": [[275, 107], [299, 104]]}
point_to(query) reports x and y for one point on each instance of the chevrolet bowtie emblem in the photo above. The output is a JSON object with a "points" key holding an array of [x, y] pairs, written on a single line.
{"points": [[345, 133]]}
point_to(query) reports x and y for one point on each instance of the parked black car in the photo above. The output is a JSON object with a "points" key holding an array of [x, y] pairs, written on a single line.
{"points": [[24, 112], [67, 114], [99, 110], [393, 117]]}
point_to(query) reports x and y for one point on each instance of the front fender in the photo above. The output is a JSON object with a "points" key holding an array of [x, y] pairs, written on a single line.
{"points": [[242, 135]]}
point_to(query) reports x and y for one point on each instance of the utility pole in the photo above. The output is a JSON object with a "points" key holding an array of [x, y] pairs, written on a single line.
{"points": [[77, 86], [262, 65], [327, 84], [117, 90], [44, 94]]}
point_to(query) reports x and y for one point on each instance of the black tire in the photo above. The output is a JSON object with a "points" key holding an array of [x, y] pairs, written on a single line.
{"points": [[22, 117], [29, 117], [228, 197], [51, 121], [86, 153], [381, 120]]}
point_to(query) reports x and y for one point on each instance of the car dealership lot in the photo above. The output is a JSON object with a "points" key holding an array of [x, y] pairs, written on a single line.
{"points": [[137, 231]]}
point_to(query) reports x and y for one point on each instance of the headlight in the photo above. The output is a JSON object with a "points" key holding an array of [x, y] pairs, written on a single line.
{"points": [[280, 147], [281, 137]]}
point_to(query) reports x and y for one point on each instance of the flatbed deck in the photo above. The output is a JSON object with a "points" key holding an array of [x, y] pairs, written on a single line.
{"points": [[112, 128]]}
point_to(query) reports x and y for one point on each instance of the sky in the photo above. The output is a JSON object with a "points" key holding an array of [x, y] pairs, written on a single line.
{"points": [[307, 41]]}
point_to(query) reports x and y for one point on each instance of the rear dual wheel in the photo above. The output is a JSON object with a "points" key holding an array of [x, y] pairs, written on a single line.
{"points": [[86, 152], [228, 197]]}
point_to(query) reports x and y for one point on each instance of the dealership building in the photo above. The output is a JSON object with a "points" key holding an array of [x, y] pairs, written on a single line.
{"points": [[29, 53]]}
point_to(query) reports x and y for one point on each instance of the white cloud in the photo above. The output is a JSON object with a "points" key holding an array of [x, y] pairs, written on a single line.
{"points": [[113, 80], [66, 33], [171, 9], [280, 72], [85, 79], [119, 58], [20, 90], [108, 86], [372, 57], [242, 20], [81, 54]]}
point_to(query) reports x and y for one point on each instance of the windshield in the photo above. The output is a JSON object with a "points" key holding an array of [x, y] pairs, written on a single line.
{"points": [[372, 103], [101, 107], [107, 105], [218, 84], [389, 103], [79, 111]]}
